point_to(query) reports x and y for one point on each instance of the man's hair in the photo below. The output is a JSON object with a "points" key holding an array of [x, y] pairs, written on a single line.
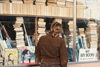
{"points": [[54, 24]]}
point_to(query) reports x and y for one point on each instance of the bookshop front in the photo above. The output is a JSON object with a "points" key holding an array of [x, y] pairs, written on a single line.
{"points": [[20, 31]]}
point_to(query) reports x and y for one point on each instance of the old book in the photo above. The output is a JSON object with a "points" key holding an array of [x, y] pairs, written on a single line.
{"points": [[11, 57], [40, 1], [54, 1], [69, 4], [17, 1], [41, 24], [1, 61], [51, 4], [4, 1], [26, 55], [28, 2], [18, 29], [61, 0], [60, 4], [92, 24], [6, 8], [41, 30], [3, 46]]}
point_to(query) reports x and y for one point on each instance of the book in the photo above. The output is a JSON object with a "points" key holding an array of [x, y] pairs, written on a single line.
{"points": [[26, 56], [3, 46], [1, 61], [11, 57]]}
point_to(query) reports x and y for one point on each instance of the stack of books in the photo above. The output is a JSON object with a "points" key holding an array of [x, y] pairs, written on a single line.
{"points": [[92, 35], [19, 32], [41, 28], [98, 31], [1, 61], [71, 34]]}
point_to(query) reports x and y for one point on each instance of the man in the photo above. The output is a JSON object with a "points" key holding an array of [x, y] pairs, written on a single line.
{"points": [[51, 50]]}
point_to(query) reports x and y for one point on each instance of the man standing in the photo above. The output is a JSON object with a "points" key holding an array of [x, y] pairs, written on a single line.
{"points": [[51, 50]]}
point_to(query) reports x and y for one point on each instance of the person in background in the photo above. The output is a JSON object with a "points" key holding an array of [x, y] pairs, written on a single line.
{"points": [[51, 50]]}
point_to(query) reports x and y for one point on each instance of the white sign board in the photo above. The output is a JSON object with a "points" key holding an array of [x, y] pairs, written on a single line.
{"points": [[87, 55]]}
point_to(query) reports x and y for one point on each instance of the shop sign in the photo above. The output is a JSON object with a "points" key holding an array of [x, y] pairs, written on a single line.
{"points": [[87, 55]]}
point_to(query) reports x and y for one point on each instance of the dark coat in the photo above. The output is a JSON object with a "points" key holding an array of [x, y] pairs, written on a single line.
{"points": [[52, 50]]}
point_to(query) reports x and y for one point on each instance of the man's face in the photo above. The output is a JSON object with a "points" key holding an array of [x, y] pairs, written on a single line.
{"points": [[57, 29]]}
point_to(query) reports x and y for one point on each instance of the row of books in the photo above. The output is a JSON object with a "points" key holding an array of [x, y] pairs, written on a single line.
{"points": [[49, 2]]}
